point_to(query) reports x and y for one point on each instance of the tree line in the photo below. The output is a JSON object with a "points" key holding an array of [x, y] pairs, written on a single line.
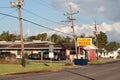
{"points": [[102, 40]]}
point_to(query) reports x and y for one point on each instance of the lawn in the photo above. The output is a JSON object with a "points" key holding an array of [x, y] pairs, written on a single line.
{"points": [[32, 66], [102, 61], [41, 66]]}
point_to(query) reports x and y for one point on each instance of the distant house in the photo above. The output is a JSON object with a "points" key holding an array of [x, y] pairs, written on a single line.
{"points": [[103, 53], [118, 50], [113, 54]]}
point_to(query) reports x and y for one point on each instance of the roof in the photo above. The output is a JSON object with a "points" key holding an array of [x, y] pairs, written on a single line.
{"points": [[28, 45], [90, 47], [37, 44]]}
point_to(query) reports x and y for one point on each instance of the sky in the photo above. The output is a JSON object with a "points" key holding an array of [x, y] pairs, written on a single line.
{"points": [[50, 14]]}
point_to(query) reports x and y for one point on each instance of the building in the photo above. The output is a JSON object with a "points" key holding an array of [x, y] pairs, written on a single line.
{"points": [[88, 52], [91, 52], [29, 47]]}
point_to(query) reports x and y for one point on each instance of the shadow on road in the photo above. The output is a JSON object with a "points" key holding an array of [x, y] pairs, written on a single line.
{"points": [[80, 75]]}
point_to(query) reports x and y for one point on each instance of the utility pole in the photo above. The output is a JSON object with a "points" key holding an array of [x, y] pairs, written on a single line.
{"points": [[96, 35], [71, 19], [18, 5]]}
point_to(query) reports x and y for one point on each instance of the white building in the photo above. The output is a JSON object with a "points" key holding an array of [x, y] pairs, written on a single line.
{"points": [[105, 54]]}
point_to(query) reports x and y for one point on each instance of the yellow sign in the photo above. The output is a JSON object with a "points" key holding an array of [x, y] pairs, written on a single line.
{"points": [[84, 41]]}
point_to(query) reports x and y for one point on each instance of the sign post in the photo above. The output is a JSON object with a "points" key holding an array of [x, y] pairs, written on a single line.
{"points": [[51, 53], [51, 56], [41, 53]]}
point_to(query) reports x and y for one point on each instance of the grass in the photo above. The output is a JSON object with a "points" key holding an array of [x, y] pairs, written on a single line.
{"points": [[32, 66], [102, 61], [41, 66]]}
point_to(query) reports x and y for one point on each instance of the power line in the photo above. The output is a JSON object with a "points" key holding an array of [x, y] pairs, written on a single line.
{"points": [[3, 17], [5, 7], [42, 17], [42, 2], [8, 13], [36, 24]]}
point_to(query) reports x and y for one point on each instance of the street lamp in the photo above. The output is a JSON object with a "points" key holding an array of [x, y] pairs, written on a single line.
{"points": [[18, 5]]}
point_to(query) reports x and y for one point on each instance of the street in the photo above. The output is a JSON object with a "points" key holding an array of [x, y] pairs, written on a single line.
{"points": [[90, 72]]}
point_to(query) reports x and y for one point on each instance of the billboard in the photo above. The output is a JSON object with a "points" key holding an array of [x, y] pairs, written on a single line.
{"points": [[84, 41]]}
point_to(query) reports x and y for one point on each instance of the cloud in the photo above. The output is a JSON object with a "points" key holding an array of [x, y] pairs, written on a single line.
{"points": [[109, 9], [112, 31], [67, 30], [101, 9]]}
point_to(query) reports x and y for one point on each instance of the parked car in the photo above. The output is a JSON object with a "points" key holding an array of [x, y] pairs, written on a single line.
{"points": [[46, 55], [34, 56], [6, 54], [57, 56], [61, 56]]}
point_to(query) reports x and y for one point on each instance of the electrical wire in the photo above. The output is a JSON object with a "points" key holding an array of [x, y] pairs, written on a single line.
{"points": [[2, 18], [35, 24], [5, 7], [43, 17], [43, 3]]}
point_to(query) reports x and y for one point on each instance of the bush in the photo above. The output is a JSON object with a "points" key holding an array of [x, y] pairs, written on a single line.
{"points": [[26, 55], [10, 59]]}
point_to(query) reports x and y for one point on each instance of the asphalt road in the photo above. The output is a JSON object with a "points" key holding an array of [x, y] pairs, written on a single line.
{"points": [[90, 72]]}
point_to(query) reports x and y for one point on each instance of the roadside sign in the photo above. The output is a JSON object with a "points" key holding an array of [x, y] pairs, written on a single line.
{"points": [[84, 41], [51, 55]]}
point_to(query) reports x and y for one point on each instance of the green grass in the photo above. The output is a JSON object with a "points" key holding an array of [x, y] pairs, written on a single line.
{"points": [[102, 61], [17, 68]]}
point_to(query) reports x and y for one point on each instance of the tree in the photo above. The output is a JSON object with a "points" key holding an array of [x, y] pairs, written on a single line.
{"points": [[38, 37], [31, 38], [56, 38], [113, 46], [43, 36], [13, 37], [67, 39], [102, 40], [5, 36]]}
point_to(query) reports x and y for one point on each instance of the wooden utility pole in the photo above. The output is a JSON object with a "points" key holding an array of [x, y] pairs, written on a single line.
{"points": [[19, 4], [71, 19], [96, 35]]}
